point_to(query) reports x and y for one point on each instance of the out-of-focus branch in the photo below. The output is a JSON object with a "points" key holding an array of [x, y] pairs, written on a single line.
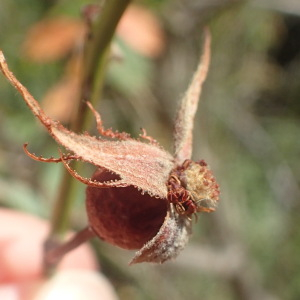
{"points": [[96, 50], [94, 62]]}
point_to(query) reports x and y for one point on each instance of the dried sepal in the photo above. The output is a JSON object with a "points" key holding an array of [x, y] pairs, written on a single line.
{"points": [[143, 165], [184, 122], [50, 159], [169, 241], [107, 132], [123, 157], [91, 182]]}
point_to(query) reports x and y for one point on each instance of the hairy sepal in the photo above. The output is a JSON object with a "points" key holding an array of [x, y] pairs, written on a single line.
{"points": [[168, 242], [184, 122], [145, 166]]}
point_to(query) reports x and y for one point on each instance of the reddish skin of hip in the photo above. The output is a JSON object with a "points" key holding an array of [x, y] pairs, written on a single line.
{"points": [[123, 216]]}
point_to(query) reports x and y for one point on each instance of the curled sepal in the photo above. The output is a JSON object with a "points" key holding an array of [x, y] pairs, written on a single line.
{"points": [[168, 242]]}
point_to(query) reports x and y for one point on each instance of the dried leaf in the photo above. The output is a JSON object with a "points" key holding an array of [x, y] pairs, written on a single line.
{"points": [[141, 30], [51, 39]]}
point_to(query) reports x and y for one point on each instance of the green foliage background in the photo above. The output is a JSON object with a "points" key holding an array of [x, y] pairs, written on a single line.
{"points": [[246, 128]]}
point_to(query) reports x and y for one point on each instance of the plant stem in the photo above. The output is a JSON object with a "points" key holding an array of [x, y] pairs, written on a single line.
{"points": [[96, 52], [54, 255], [95, 61]]}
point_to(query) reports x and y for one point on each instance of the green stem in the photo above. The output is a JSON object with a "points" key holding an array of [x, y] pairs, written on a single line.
{"points": [[96, 53], [95, 61]]}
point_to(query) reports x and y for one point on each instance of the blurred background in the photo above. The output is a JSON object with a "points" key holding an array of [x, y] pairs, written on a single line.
{"points": [[246, 129]]}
